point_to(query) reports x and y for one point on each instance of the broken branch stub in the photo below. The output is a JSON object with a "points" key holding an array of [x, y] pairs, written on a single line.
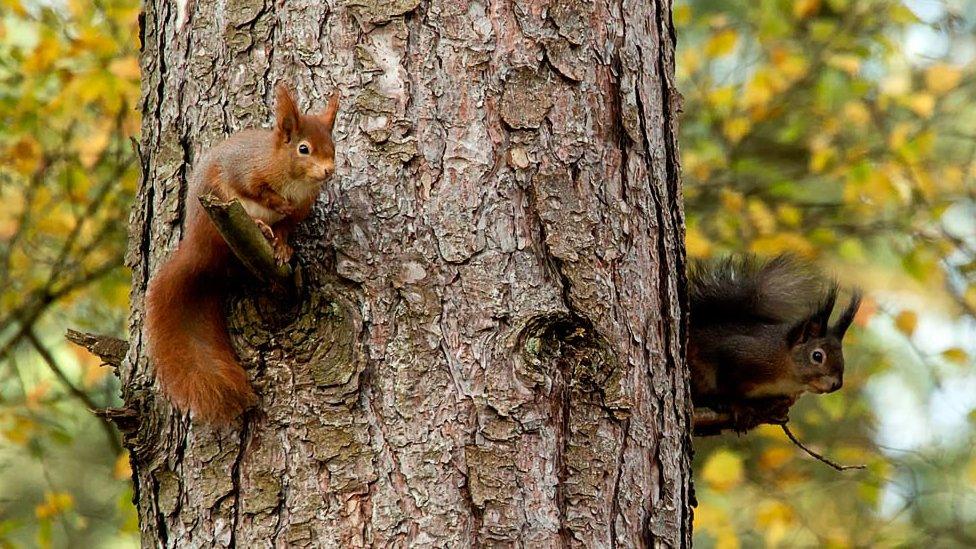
{"points": [[247, 242]]}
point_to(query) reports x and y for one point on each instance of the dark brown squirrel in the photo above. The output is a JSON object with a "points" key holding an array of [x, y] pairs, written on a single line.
{"points": [[760, 336], [277, 175]]}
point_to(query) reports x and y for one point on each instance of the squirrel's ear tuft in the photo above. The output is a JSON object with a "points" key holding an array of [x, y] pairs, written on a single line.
{"points": [[287, 117], [328, 116], [800, 333], [822, 317], [844, 322]]}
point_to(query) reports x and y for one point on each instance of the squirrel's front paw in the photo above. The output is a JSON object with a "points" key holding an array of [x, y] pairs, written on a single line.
{"points": [[265, 230], [744, 417], [282, 252], [779, 409]]}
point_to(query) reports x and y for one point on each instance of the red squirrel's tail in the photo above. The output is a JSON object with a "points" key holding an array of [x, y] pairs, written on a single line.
{"points": [[187, 332]]}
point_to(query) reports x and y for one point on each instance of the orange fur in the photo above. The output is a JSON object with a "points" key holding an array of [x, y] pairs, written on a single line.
{"points": [[185, 326]]}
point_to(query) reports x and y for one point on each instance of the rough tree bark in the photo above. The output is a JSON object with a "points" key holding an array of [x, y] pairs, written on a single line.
{"points": [[489, 344]]}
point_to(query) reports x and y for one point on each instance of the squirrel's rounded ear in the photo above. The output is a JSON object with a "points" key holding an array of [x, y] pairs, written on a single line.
{"points": [[287, 117], [328, 116]]}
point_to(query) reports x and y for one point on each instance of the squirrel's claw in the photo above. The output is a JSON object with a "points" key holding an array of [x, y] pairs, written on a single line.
{"points": [[282, 252]]}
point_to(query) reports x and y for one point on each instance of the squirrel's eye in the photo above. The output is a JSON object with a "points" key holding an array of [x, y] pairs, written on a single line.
{"points": [[818, 356], [303, 149]]}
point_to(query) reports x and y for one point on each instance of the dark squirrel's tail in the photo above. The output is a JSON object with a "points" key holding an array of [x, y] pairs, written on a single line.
{"points": [[744, 288], [187, 335]]}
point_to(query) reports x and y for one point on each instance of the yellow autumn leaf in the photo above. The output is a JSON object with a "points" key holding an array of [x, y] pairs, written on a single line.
{"points": [[970, 296], [722, 98], [726, 539], [805, 8], [689, 62], [736, 128], [79, 7], [897, 83], [119, 294], [852, 249], [54, 504], [42, 59], [8, 226], [57, 221], [821, 152], [696, 166], [716, 522], [791, 66], [783, 242], [732, 201], [25, 155], [953, 179], [122, 470], [761, 217], [857, 113], [924, 183], [723, 470], [955, 354], [789, 215], [757, 92], [922, 104], [899, 135], [91, 145], [721, 43], [681, 15], [775, 518], [126, 68], [906, 322], [15, 6], [942, 78], [775, 457], [821, 158], [696, 244], [850, 64], [94, 40], [21, 431]]}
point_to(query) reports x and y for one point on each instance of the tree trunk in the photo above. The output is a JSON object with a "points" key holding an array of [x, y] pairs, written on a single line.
{"points": [[489, 347]]}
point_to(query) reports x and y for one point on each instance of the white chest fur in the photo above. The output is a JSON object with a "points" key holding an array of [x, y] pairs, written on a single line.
{"points": [[295, 192], [260, 211]]}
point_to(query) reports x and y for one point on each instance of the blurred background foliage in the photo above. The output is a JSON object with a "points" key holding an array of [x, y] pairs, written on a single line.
{"points": [[843, 130], [69, 82]]}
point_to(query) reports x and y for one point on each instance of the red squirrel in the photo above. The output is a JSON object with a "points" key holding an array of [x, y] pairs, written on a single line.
{"points": [[760, 335], [277, 176]]}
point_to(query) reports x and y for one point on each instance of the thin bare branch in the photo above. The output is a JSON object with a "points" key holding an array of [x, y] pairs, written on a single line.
{"points": [[817, 456]]}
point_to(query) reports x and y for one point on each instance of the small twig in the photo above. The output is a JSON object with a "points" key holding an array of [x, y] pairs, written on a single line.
{"points": [[817, 456], [125, 419], [246, 241], [111, 350]]}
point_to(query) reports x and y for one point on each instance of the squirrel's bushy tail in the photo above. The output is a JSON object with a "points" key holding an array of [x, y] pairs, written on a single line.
{"points": [[188, 342], [744, 288]]}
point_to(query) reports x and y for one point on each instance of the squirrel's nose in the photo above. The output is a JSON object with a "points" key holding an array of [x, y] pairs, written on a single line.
{"points": [[836, 384]]}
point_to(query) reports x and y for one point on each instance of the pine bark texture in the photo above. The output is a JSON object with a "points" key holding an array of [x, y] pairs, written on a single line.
{"points": [[489, 345]]}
